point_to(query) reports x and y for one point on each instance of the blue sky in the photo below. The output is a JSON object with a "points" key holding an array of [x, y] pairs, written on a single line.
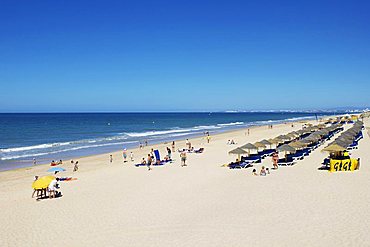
{"points": [[183, 55]]}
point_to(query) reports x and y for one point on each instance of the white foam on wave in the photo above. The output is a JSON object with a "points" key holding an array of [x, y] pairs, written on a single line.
{"points": [[171, 131], [63, 150], [28, 148], [231, 124]]}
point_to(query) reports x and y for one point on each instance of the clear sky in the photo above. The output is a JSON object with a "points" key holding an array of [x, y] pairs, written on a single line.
{"points": [[183, 55]]}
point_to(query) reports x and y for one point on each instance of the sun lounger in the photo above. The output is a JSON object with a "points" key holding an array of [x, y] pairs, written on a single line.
{"points": [[239, 165], [286, 162], [159, 162]]}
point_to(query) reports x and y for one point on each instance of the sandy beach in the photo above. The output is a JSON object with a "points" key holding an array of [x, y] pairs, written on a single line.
{"points": [[203, 204]]}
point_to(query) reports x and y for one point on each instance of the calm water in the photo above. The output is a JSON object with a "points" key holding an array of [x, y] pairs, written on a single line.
{"points": [[65, 135]]}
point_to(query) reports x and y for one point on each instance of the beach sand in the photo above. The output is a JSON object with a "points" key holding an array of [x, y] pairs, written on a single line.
{"points": [[203, 204]]}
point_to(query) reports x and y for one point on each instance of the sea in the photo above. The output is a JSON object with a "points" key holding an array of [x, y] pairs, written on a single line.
{"points": [[54, 136]]}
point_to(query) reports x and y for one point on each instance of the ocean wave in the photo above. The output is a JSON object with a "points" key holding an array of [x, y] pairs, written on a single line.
{"points": [[171, 131], [64, 150], [28, 148], [231, 124]]}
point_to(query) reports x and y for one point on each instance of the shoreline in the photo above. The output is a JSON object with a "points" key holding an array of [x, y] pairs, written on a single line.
{"points": [[79, 152], [199, 140]]}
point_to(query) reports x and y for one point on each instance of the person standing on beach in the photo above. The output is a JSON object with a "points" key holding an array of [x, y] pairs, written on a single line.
{"points": [[131, 156], [110, 159], [248, 131], [173, 146], [275, 159], [149, 161], [124, 154], [169, 152], [208, 138], [146, 143], [183, 158], [34, 161]]}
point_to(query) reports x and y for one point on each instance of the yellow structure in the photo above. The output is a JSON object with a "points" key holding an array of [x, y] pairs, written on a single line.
{"points": [[343, 165], [42, 183]]}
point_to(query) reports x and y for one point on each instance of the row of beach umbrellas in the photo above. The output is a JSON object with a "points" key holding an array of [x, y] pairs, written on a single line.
{"points": [[319, 131], [314, 133], [345, 139]]}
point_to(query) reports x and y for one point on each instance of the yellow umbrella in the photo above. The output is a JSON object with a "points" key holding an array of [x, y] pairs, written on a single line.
{"points": [[42, 183]]}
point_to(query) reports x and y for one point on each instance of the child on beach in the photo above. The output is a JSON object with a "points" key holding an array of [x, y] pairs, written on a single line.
{"points": [[263, 171], [267, 170], [254, 172], [110, 158], [131, 156]]}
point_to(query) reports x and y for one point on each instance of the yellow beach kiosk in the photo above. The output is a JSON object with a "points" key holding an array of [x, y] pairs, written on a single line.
{"points": [[340, 159]]}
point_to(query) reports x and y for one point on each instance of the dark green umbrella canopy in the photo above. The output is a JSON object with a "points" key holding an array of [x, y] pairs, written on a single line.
{"points": [[286, 148], [248, 146]]}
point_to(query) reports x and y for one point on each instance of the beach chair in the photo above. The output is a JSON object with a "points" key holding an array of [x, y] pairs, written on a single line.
{"points": [[255, 158], [239, 165], [198, 151], [286, 162], [158, 160]]}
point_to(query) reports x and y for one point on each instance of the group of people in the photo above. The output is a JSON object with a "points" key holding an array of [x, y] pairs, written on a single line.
{"points": [[52, 190], [231, 142], [265, 170]]}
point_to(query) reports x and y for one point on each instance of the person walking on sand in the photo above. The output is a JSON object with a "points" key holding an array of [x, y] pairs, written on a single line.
{"points": [[34, 161], [110, 159], [124, 154], [75, 168], [275, 159], [131, 156], [248, 131], [183, 158]]}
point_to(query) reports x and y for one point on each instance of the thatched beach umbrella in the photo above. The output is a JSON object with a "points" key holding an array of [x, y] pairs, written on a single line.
{"points": [[298, 145], [334, 148], [286, 148], [238, 151], [275, 140], [249, 147], [259, 145], [267, 143]]}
